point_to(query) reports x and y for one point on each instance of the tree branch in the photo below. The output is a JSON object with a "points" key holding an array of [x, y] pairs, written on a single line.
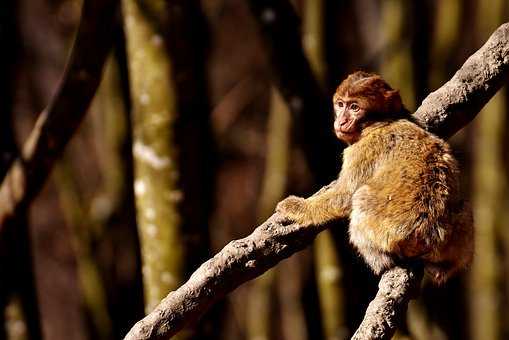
{"points": [[58, 122], [238, 262], [458, 101], [397, 286], [445, 111]]}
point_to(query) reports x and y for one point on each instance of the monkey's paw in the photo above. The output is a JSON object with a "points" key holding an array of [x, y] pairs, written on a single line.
{"points": [[292, 209]]}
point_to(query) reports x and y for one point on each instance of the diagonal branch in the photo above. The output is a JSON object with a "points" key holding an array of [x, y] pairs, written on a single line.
{"points": [[445, 111], [292, 74], [60, 120], [458, 101], [238, 262]]}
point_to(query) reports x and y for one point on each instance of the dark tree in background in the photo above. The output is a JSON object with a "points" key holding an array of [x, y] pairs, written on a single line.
{"points": [[17, 287]]}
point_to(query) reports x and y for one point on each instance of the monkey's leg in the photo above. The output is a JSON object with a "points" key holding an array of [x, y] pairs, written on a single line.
{"points": [[369, 231], [321, 208], [379, 261]]}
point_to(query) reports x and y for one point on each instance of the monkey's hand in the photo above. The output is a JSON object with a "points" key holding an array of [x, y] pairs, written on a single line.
{"points": [[293, 209]]}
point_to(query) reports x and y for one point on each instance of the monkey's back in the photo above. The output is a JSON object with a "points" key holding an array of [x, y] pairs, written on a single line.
{"points": [[410, 203], [422, 165]]}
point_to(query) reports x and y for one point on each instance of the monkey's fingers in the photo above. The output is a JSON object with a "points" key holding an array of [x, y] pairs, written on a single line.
{"points": [[292, 210], [284, 219], [291, 204]]}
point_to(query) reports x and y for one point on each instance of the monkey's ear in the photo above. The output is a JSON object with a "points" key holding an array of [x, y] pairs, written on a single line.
{"points": [[393, 101]]}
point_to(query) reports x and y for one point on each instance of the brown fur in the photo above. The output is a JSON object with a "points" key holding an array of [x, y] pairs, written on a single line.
{"points": [[398, 185]]}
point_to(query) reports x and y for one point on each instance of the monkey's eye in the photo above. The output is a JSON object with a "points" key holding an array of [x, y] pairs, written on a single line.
{"points": [[354, 107], [340, 104]]}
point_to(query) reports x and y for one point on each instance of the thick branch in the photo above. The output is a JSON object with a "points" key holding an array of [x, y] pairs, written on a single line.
{"points": [[244, 259], [58, 122], [238, 262], [397, 286], [458, 101]]}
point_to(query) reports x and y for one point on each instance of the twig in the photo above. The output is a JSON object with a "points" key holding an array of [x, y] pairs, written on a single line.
{"points": [[242, 260]]}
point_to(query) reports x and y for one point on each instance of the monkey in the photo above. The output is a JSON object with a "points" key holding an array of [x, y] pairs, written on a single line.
{"points": [[398, 185]]}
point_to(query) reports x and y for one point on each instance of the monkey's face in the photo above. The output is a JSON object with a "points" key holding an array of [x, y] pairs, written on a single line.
{"points": [[349, 119], [360, 100]]}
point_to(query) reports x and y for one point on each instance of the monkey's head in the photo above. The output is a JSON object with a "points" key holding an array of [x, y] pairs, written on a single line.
{"points": [[361, 100]]}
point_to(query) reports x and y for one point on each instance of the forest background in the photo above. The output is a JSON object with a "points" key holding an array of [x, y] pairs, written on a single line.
{"points": [[207, 114]]}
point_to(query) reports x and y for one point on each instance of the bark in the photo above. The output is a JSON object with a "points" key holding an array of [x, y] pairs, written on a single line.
{"points": [[270, 243], [458, 101], [154, 112], [397, 286], [173, 148], [238, 262], [58, 122]]}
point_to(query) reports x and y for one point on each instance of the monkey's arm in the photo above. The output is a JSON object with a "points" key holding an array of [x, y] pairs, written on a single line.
{"points": [[331, 203]]}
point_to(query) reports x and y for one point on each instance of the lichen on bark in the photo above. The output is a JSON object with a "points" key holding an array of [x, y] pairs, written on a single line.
{"points": [[156, 173]]}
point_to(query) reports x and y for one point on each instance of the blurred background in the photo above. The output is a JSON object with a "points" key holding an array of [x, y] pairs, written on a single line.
{"points": [[208, 114]]}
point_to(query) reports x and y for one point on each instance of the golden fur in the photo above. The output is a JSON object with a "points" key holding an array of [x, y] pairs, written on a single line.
{"points": [[399, 187]]}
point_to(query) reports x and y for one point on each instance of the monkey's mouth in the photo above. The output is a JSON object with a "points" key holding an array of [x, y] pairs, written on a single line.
{"points": [[347, 131], [347, 135]]}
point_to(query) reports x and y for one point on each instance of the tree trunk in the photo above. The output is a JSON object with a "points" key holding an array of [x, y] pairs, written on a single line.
{"points": [[18, 297], [156, 173]]}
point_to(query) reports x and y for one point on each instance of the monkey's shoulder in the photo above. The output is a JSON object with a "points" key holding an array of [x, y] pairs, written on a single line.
{"points": [[405, 136], [402, 141], [406, 131], [410, 139]]}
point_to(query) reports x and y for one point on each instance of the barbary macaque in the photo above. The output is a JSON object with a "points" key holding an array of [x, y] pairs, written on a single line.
{"points": [[398, 185]]}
